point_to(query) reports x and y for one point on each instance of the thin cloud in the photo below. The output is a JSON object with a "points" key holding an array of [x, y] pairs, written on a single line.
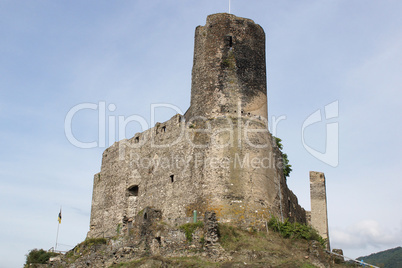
{"points": [[364, 234]]}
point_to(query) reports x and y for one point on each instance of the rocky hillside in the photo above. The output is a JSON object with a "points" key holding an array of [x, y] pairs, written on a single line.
{"points": [[152, 243]]}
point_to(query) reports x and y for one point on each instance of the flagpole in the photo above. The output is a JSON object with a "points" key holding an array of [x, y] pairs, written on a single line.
{"points": [[57, 236], [58, 226]]}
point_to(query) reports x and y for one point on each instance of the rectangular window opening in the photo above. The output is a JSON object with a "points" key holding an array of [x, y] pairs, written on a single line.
{"points": [[171, 178], [229, 40]]}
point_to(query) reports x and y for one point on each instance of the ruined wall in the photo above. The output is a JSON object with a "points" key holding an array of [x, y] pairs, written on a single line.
{"points": [[219, 156], [318, 196], [149, 169], [213, 164]]}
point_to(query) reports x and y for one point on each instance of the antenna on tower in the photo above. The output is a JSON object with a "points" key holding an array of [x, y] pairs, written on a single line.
{"points": [[229, 6]]}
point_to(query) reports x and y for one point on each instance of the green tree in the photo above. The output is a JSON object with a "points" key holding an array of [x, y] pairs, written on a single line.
{"points": [[287, 168], [38, 256]]}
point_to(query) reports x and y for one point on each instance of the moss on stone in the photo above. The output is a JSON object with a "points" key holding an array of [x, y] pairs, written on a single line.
{"points": [[189, 229]]}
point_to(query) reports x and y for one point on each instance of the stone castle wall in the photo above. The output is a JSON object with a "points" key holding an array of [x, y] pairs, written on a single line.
{"points": [[219, 156]]}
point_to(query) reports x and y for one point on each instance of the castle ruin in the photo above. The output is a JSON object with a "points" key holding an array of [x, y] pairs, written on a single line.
{"points": [[318, 198], [219, 156]]}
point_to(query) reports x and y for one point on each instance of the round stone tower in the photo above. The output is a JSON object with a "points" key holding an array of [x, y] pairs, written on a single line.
{"points": [[229, 71]]}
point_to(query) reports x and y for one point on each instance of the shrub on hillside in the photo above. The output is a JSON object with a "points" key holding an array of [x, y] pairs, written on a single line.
{"points": [[38, 256], [295, 230]]}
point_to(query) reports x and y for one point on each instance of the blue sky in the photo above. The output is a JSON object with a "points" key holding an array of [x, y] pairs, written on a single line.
{"points": [[55, 55]]}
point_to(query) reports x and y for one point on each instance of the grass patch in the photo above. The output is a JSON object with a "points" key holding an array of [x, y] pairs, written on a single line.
{"points": [[307, 265], [228, 235], [158, 261], [192, 262], [233, 238], [84, 248], [134, 263], [189, 229], [295, 230], [94, 241]]}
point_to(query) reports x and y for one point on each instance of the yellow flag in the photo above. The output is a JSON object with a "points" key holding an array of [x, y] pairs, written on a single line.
{"points": [[59, 218]]}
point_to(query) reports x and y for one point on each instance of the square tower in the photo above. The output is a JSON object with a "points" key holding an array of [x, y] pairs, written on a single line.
{"points": [[318, 196]]}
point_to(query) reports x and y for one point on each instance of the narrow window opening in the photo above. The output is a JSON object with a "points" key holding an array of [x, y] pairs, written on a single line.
{"points": [[229, 40], [133, 190], [164, 129], [145, 216], [171, 178], [137, 139]]}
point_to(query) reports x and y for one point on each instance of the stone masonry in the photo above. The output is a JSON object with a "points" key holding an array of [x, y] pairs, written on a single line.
{"points": [[219, 156], [318, 196]]}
